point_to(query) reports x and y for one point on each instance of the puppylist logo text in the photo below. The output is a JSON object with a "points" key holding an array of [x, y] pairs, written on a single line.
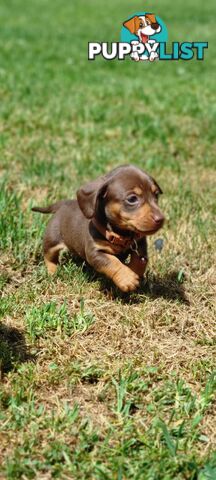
{"points": [[144, 38]]}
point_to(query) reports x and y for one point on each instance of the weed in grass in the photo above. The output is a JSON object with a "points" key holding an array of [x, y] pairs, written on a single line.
{"points": [[82, 320], [51, 317]]}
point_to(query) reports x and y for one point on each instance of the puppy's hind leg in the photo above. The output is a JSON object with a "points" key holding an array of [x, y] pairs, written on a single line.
{"points": [[53, 244], [51, 257]]}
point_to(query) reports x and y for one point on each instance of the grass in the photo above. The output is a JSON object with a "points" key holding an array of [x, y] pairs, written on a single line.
{"points": [[96, 384]]}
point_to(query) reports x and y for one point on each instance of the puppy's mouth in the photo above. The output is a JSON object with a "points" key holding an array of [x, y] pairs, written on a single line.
{"points": [[144, 37], [126, 228], [145, 232]]}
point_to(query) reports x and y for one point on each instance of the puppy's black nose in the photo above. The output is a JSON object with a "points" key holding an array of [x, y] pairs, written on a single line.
{"points": [[155, 26], [158, 219]]}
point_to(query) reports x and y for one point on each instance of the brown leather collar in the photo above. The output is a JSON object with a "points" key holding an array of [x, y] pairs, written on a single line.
{"points": [[113, 237]]}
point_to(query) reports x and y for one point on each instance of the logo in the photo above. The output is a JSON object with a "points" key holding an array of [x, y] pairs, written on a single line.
{"points": [[144, 32], [144, 38]]}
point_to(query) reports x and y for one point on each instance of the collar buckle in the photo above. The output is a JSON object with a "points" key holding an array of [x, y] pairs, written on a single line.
{"points": [[113, 237], [134, 247]]}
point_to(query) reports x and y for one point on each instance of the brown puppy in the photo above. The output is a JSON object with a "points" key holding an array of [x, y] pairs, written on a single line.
{"points": [[110, 219]]}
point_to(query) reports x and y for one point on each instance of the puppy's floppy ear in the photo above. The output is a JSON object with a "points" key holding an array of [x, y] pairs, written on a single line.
{"points": [[151, 17], [87, 196], [133, 24]]}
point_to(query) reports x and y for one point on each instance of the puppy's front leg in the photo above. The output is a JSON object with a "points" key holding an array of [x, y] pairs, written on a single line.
{"points": [[125, 279], [134, 55]]}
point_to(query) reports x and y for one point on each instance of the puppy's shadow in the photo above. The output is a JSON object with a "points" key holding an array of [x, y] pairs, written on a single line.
{"points": [[167, 286], [13, 349], [153, 286]]}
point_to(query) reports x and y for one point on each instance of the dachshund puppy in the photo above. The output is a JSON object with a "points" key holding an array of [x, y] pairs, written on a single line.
{"points": [[109, 220]]}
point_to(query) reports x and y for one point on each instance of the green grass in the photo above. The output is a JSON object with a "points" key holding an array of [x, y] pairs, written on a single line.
{"points": [[39, 320], [96, 384]]}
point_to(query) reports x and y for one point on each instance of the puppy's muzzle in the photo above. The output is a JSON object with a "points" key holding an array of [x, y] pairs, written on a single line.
{"points": [[158, 220]]}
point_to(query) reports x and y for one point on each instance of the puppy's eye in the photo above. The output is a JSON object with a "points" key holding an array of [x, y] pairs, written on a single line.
{"points": [[148, 23], [132, 199]]}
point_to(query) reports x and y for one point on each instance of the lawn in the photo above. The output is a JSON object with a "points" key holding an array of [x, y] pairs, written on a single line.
{"points": [[96, 384]]}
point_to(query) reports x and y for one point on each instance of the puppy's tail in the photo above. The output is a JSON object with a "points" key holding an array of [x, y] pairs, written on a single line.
{"points": [[51, 209]]}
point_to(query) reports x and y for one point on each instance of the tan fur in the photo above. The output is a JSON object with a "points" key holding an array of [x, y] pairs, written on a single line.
{"points": [[51, 257], [136, 220], [123, 277], [138, 191]]}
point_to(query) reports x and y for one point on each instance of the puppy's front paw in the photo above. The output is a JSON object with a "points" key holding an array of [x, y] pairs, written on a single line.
{"points": [[126, 280], [153, 56], [135, 57]]}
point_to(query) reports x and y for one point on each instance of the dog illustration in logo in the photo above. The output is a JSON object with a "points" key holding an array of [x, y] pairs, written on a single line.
{"points": [[143, 26]]}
